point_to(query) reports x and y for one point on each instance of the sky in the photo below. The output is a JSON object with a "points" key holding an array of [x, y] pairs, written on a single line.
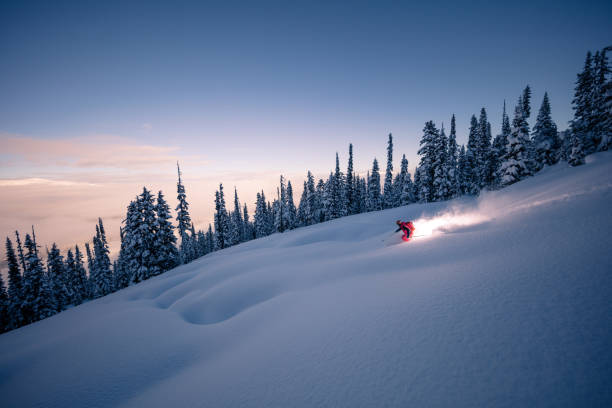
{"points": [[99, 99]]}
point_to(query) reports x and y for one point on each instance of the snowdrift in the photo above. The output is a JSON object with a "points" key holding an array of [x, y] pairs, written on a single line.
{"points": [[505, 301]]}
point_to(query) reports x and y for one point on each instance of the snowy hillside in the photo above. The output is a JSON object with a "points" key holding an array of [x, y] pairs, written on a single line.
{"points": [[508, 302]]}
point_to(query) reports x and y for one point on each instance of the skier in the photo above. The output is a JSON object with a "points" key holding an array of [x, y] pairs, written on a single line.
{"points": [[407, 227]]}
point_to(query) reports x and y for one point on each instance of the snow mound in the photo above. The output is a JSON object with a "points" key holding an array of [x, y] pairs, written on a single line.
{"points": [[503, 300]]}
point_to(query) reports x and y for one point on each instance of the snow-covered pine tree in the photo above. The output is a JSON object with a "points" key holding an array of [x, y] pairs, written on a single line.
{"points": [[398, 182], [407, 193], [455, 188], [471, 176], [581, 125], [374, 195], [515, 163], [57, 278], [5, 319], [337, 199], [38, 299], [238, 223], [221, 220], [103, 280], [576, 157], [260, 216], [362, 196], [546, 140], [140, 233], [291, 210], [165, 241], [463, 172], [248, 226], [526, 100], [498, 148], [82, 284], [210, 240], [483, 150], [20, 251], [427, 151], [602, 129], [72, 278], [312, 215], [183, 219], [441, 183], [606, 142], [91, 266], [388, 193], [15, 287], [303, 207], [350, 186]]}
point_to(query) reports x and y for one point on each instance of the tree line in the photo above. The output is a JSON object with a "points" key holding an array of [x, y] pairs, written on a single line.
{"points": [[149, 243]]}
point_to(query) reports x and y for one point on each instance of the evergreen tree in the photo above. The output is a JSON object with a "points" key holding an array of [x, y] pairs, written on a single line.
{"points": [[576, 157], [545, 137], [362, 196], [91, 268], [140, 234], [20, 252], [526, 100], [210, 239], [441, 180], [350, 186], [601, 115], [15, 287], [183, 219], [374, 196], [57, 278], [455, 188], [388, 193], [165, 241], [37, 296], [5, 320], [221, 220], [103, 279], [260, 216], [291, 210], [312, 215], [303, 207], [337, 206], [471, 176], [463, 172], [237, 221], [582, 124], [485, 174], [82, 283], [515, 163], [248, 227], [407, 192], [427, 165]]}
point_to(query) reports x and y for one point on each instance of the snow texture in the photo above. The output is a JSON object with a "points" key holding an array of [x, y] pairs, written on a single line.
{"points": [[505, 302]]}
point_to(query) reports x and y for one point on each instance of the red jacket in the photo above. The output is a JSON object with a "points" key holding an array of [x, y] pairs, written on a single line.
{"points": [[408, 229]]}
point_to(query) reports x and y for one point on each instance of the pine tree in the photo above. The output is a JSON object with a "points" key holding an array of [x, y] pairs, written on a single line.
{"points": [[248, 227], [582, 124], [485, 175], [350, 186], [20, 251], [291, 210], [183, 219], [221, 220], [237, 221], [441, 182], [601, 115], [362, 196], [103, 279], [210, 239], [82, 283], [526, 100], [606, 142], [463, 172], [91, 268], [260, 216], [515, 163], [165, 241], [388, 193], [545, 137], [312, 216], [57, 278], [38, 302], [407, 188], [374, 196], [15, 287], [471, 176], [337, 202], [427, 151], [455, 188], [576, 157], [5, 320], [303, 207]]}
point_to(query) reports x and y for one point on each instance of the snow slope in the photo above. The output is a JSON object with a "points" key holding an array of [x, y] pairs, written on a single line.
{"points": [[507, 303]]}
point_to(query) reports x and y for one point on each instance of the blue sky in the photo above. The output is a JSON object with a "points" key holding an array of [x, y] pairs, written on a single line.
{"points": [[240, 89]]}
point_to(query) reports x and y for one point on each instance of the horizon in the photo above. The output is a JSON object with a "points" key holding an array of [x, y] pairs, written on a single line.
{"points": [[94, 108]]}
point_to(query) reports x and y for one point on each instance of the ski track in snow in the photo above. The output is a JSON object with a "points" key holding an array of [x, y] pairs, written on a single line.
{"points": [[505, 302]]}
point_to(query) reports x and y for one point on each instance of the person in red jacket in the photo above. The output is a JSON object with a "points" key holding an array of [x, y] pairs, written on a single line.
{"points": [[407, 227]]}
